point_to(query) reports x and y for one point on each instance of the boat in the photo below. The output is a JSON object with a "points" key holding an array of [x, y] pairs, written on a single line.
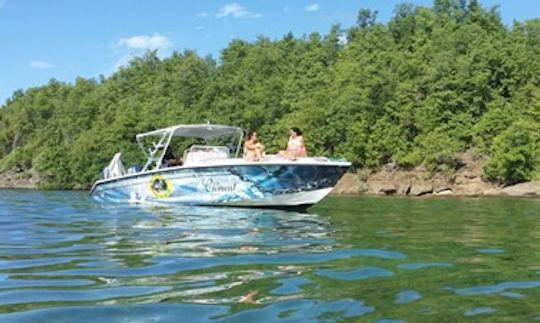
{"points": [[213, 173]]}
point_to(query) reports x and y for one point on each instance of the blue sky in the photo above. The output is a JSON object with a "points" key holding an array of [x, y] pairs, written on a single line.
{"points": [[63, 39]]}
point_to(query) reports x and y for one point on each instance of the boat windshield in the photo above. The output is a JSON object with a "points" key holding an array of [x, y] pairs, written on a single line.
{"points": [[154, 144]]}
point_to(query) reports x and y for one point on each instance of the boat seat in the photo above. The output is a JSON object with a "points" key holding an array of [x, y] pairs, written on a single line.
{"points": [[198, 153]]}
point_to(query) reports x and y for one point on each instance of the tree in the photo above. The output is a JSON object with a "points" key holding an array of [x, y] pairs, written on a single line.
{"points": [[366, 18], [514, 154]]}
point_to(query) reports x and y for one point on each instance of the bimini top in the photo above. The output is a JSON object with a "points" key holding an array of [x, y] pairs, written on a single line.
{"points": [[205, 131]]}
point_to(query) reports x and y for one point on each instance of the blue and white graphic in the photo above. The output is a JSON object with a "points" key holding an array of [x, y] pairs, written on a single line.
{"points": [[214, 178]]}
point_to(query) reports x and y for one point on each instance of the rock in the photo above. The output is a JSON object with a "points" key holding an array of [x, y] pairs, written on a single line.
{"points": [[404, 189], [469, 175], [390, 167], [473, 187], [523, 189], [440, 187], [349, 184], [25, 179], [417, 182], [444, 192], [492, 191], [382, 187], [421, 188]]}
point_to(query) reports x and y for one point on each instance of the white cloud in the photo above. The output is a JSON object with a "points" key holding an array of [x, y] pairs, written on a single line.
{"points": [[122, 61], [131, 47], [41, 65], [125, 59], [312, 7], [155, 41], [203, 15], [236, 11]]}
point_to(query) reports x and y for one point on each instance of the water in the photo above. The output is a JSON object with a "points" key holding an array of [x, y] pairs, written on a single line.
{"points": [[65, 258]]}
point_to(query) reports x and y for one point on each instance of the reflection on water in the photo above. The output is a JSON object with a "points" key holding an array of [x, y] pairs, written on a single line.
{"points": [[64, 257], [479, 311], [207, 232], [407, 296], [362, 273]]}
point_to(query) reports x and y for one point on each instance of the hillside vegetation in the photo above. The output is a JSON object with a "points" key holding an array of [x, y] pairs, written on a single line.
{"points": [[418, 90]]}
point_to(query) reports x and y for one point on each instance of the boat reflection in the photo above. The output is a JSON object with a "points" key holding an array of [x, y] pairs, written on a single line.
{"points": [[211, 231]]}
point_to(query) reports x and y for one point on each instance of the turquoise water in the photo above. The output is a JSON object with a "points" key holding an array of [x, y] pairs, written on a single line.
{"points": [[65, 258]]}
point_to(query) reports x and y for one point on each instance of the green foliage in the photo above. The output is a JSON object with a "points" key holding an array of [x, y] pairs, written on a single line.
{"points": [[53, 166], [514, 154], [366, 18], [430, 83], [438, 150]]}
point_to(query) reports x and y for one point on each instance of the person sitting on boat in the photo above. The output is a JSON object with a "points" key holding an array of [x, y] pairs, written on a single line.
{"points": [[169, 160], [253, 149], [295, 147]]}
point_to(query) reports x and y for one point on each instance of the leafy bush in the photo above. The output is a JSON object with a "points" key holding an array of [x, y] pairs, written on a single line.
{"points": [[53, 167], [513, 155]]}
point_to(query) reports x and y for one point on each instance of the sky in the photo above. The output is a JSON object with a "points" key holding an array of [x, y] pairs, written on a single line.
{"points": [[66, 39]]}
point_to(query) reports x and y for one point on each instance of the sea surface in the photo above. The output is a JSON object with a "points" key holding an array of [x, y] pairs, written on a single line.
{"points": [[66, 258]]}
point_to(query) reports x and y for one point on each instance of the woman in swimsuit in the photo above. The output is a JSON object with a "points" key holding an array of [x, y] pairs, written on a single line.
{"points": [[295, 147], [253, 149]]}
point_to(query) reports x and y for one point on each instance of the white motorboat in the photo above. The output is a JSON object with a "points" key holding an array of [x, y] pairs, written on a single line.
{"points": [[214, 173]]}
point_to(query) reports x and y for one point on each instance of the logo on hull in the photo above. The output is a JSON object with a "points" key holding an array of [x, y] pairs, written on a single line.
{"points": [[160, 187]]}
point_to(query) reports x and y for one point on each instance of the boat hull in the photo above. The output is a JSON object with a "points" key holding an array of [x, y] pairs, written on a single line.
{"points": [[255, 185]]}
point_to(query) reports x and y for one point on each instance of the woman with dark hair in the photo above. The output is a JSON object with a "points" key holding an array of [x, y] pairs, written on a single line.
{"points": [[296, 147], [169, 160], [253, 149]]}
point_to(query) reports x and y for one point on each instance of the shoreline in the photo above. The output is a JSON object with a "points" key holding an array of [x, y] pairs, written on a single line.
{"points": [[19, 180], [388, 180], [466, 181], [401, 183], [408, 183]]}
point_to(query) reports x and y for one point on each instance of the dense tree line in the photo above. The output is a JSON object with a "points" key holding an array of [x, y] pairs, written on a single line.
{"points": [[418, 90]]}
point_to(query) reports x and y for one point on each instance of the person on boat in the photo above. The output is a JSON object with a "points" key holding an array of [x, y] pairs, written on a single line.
{"points": [[169, 160], [296, 147], [253, 149]]}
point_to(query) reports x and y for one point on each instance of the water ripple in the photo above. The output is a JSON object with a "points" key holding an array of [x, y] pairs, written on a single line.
{"points": [[304, 310], [172, 265], [423, 265], [407, 296], [38, 295], [129, 313], [491, 250], [290, 285], [65, 258], [357, 274], [497, 288], [479, 311]]}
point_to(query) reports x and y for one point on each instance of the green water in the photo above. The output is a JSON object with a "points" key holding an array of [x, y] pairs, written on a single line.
{"points": [[474, 259], [65, 258]]}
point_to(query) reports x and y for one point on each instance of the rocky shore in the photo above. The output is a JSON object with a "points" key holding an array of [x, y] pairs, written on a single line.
{"points": [[410, 184], [12, 179], [467, 181]]}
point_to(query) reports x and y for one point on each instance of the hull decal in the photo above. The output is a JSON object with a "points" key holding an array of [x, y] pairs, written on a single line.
{"points": [[245, 185], [160, 187]]}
